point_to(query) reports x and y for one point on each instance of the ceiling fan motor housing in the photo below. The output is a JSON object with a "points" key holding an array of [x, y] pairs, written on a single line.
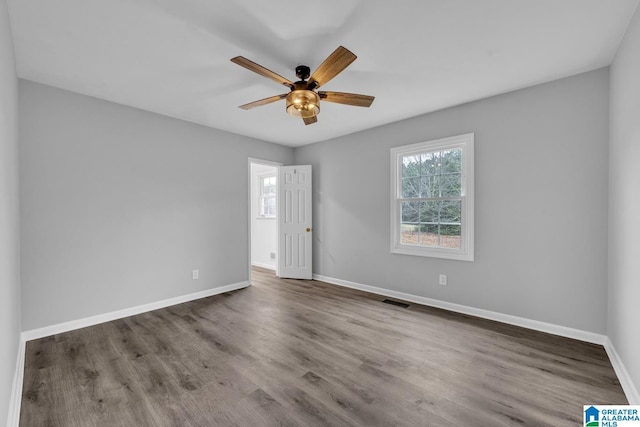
{"points": [[303, 72]]}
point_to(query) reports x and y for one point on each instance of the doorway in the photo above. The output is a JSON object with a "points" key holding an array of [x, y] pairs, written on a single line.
{"points": [[263, 222]]}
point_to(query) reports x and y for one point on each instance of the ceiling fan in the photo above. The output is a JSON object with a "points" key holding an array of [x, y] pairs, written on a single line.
{"points": [[303, 100]]}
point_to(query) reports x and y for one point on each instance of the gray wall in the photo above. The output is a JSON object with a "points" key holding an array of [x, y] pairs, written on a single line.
{"points": [[119, 205], [624, 202], [9, 237], [541, 205]]}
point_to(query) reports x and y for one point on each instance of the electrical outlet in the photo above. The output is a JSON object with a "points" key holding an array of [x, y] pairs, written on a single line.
{"points": [[195, 274], [443, 280]]}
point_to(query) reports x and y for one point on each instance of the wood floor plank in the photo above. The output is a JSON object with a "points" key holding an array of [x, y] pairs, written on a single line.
{"points": [[295, 352]]}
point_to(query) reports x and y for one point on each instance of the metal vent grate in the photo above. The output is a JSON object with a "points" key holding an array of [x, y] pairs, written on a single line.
{"points": [[398, 303]]}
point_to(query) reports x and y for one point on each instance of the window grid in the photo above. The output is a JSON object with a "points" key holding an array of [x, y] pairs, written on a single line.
{"points": [[268, 196]]}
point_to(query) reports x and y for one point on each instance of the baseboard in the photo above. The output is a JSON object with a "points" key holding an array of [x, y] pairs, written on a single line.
{"points": [[629, 388], [13, 418], [131, 311], [262, 265], [478, 312]]}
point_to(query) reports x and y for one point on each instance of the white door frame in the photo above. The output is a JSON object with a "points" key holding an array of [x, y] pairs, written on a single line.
{"points": [[253, 160]]}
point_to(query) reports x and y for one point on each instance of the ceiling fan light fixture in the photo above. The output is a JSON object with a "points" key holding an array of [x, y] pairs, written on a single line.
{"points": [[303, 103]]}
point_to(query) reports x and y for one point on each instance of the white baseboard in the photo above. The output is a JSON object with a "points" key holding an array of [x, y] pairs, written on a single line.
{"points": [[478, 312], [629, 388], [13, 418], [131, 311], [263, 265]]}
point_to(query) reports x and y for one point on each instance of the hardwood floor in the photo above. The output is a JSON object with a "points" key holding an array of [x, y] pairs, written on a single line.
{"points": [[299, 353]]}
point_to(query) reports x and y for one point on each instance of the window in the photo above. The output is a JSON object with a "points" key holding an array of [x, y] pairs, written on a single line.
{"points": [[268, 196], [432, 198]]}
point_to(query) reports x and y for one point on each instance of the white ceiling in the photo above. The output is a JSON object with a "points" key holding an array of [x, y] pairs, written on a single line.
{"points": [[172, 56]]}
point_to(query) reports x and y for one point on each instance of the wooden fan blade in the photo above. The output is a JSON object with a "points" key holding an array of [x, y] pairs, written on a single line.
{"points": [[259, 69], [331, 67], [264, 101], [310, 120], [347, 98]]}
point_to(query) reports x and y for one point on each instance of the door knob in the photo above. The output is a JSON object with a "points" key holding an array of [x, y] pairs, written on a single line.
{"points": [[308, 229]]}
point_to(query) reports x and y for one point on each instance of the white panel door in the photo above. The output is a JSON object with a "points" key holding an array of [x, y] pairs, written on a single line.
{"points": [[294, 222]]}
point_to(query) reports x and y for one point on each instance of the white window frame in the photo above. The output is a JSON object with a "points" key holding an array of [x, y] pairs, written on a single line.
{"points": [[466, 144], [261, 196]]}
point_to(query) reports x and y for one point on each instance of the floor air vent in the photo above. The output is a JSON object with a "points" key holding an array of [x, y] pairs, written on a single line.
{"points": [[398, 303]]}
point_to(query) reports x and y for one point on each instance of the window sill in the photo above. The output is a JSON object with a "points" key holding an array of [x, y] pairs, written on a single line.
{"points": [[432, 252]]}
